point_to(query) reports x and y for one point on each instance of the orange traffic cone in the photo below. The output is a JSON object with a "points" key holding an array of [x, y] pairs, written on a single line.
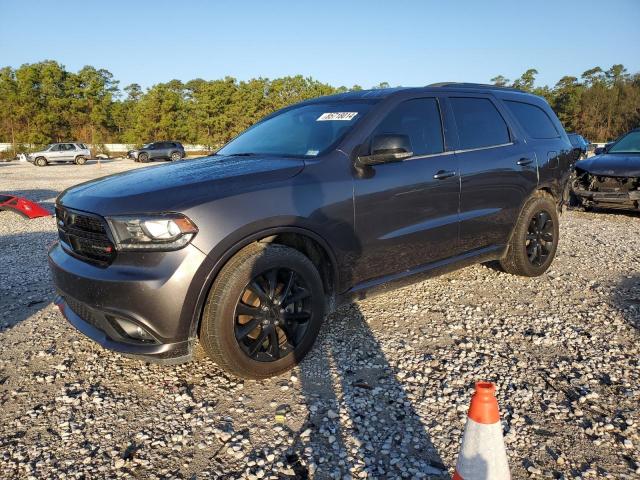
{"points": [[482, 454]]}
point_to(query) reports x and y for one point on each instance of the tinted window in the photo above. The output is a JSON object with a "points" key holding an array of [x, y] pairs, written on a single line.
{"points": [[420, 120], [479, 123], [630, 143], [533, 119], [69, 146], [56, 148]]}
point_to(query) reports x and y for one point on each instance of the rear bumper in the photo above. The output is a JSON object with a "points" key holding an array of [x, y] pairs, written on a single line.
{"points": [[625, 200]]}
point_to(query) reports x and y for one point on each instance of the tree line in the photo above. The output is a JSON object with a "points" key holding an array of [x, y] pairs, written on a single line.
{"points": [[43, 102]]}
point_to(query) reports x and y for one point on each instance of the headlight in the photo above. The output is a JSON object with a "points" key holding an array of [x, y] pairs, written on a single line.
{"points": [[154, 232]]}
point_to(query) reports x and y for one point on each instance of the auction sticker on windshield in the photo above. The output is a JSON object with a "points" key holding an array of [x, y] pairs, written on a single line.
{"points": [[345, 116]]}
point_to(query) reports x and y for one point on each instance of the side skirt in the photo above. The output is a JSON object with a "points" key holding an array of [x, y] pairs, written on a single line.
{"points": [[387, 283]]}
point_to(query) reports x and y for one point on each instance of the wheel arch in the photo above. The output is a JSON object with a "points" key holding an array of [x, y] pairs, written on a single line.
{"points": [[302, 239]]}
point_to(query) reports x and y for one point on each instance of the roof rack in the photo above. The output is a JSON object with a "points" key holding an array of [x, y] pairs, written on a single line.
{"points": [[473, 85]]}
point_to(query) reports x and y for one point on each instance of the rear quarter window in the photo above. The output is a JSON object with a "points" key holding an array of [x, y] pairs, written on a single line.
{"points": [[533, 119]]}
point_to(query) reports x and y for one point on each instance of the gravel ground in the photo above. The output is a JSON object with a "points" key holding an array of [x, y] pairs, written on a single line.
{"points": [[384, 394]]}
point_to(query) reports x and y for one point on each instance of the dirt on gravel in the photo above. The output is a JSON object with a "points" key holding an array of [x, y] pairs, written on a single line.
{"points": [[383, 394]]}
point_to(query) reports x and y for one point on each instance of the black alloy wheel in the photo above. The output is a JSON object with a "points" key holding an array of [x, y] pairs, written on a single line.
{"points": [[273, 314], [540, 238]]}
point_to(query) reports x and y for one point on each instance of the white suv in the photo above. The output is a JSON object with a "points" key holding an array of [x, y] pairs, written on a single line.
{"points": [[60, 152]]}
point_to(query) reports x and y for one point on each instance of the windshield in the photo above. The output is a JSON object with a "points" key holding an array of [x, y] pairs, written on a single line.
{"points": [[304, 131], [146, 145], [630, 143]]}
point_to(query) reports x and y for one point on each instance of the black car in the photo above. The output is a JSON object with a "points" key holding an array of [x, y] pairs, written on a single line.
{"points": [[580, 145], [157, 150], [320, 203], [612, 178]]}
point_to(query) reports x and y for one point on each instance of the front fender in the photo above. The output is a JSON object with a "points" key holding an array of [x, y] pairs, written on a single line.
{"points": [[235, 242]]}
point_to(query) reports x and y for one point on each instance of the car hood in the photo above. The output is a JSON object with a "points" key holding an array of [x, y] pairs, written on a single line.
{"points": [[179, 185], [612, 165]]}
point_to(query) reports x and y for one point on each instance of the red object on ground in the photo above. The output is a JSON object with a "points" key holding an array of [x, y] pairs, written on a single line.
{"points": [[22, 206]]}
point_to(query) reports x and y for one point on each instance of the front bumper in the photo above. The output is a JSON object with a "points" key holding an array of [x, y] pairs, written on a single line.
{"points": [[625, 200], [156, 291]]}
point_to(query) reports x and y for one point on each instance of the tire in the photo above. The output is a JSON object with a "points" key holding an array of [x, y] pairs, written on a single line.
{"points": [[41, 162], [534, 240], [143, 158], [175, 156], [80, 160], [221, 323]]}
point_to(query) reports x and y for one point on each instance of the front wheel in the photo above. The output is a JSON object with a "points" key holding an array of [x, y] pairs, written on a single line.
{"points": [[264, 311], [534, 241], [143, 158], [41, 162]]}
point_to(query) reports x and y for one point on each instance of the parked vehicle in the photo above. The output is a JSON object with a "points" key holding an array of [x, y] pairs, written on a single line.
{"points": [[612, 178], [320, 203], [158, 150], [580, 145], [77, 153]]}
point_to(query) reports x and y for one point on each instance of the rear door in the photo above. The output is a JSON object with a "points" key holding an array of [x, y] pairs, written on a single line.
{"points": [[498, 171], [406, 213], [547, 138]]}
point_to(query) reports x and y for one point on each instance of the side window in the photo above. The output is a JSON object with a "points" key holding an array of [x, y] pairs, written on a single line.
{"points": [[420, 120], [56, 148], [534, 120], [479, 123], [70, 146]]}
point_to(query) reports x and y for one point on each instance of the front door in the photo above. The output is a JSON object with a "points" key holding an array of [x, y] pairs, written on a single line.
{"points": [[406, 213], [56, 153]]}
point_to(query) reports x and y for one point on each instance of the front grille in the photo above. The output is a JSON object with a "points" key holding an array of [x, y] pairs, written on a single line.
{"points": [[85, 235]]}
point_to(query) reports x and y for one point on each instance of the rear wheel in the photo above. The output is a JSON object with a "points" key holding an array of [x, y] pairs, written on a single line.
{"points": [[534, 241], [41, 162], [80, 160], [264, 311], [175, 156], [143, 158]]}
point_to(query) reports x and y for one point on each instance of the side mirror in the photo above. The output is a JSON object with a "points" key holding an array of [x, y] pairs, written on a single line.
{"points": [[387, 147]]}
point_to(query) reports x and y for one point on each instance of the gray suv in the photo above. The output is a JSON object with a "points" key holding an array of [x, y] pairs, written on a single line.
{"points": [[77, 153], [161, 150], [330, 200]]}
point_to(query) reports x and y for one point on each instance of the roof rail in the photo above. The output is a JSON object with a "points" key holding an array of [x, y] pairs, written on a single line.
{"points": [[473, 85]]}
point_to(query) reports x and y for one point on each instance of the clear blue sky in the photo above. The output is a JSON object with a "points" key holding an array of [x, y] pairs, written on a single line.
{"points": [[344, 42]]}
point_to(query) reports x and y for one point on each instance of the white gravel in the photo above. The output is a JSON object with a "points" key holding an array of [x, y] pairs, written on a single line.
{"points": [[383, 395]]}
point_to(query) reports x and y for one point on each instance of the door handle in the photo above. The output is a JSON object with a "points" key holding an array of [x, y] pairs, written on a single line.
{"points": [[524, 161], [442, 174]]}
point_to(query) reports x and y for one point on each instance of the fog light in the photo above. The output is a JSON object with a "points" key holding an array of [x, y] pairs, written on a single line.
{"points": [[133, 330]]}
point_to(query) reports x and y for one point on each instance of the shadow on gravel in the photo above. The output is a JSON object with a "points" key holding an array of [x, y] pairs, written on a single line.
{"points": [[626, 299], [359, 412], [613, 211], [25, 286]]}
